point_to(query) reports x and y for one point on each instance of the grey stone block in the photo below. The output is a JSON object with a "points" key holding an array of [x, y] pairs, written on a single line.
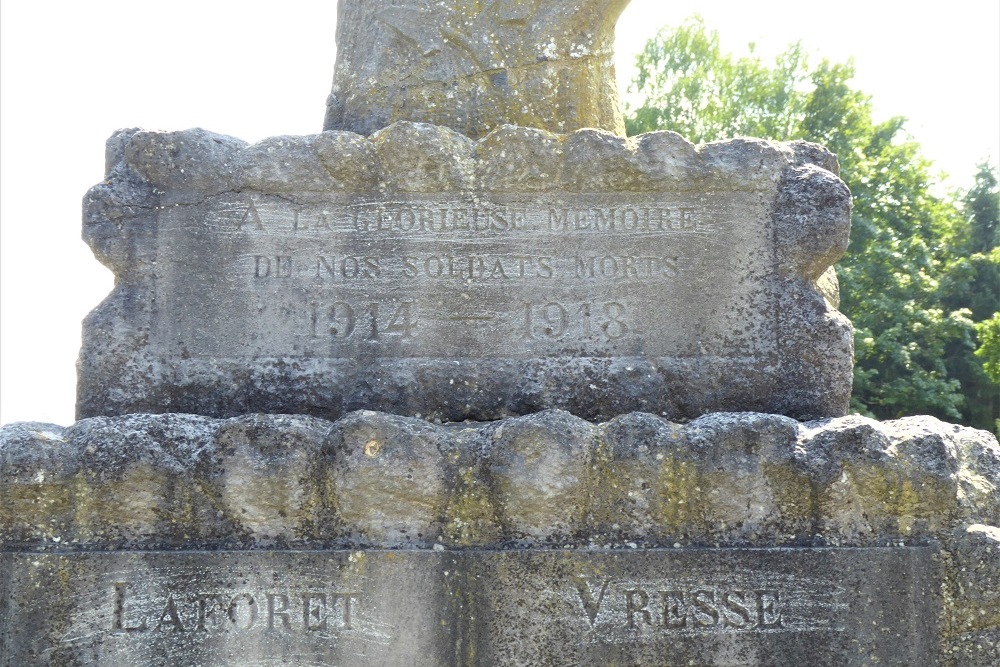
{"points": [[673, 608], [423, 273], [491, 531]]}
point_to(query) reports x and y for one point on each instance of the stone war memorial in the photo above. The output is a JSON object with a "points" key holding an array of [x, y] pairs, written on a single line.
{"points": [[471, 379]]}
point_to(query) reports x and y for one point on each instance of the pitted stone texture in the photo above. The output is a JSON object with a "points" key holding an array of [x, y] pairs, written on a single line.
{"points": [[972, 598], [540, 466], [473, 66], [270, 478], [389, 478], [417, 157], [549, 482], [373, 479], [918, 477], [420, 272]]}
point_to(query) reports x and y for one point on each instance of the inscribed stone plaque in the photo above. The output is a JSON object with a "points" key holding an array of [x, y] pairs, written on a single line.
{"points": [[759, 607], [452, 276], [422, 273]]}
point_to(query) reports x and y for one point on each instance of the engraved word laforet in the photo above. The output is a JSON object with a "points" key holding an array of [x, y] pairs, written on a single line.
{"points": [[228, 611]]}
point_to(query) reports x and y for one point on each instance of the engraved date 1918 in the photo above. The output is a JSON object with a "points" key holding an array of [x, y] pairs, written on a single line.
{"points": [[554, 320]]}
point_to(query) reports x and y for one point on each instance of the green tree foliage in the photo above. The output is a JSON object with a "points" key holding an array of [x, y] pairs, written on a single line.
{"points": [[974, 268], [918, 272], [989, 346], [971, 281]]}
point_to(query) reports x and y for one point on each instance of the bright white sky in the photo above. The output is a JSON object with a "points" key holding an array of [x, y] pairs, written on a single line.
{"points": [[74, 72]]}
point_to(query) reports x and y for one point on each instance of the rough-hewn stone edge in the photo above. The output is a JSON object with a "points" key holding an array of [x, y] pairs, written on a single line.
{"points": [[151, 171], [152, 168], [483, 389], [726, 479], [812, 220]]}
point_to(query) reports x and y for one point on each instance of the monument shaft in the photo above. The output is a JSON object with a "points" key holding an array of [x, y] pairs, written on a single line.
{"points": [[474, 66]]}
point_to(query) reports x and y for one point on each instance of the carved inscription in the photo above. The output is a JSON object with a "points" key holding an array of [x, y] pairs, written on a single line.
{"points": [[554, 319], [704, 608], [378, 218], [699, 609], [333, 268], [388, 220], [589, 607], [302, 611], [453, 276], [623, 609], [340, 319]]}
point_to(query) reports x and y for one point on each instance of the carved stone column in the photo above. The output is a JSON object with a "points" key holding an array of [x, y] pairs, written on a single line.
{"points": [[473, 66]]}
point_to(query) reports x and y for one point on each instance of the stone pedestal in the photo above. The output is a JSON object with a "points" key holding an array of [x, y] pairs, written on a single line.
{"points": [[422, 273], [737, 539]]}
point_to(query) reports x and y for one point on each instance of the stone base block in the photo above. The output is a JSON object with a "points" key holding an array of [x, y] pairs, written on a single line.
{"points": [[736, 540], [529, 608]]}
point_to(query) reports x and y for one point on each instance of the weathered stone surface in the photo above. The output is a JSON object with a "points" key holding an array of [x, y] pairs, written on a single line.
{"points": [[972, 598], [389, 478], [671, 608], [607, 498], [423, 273], [474, 66], [373, 479]]}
